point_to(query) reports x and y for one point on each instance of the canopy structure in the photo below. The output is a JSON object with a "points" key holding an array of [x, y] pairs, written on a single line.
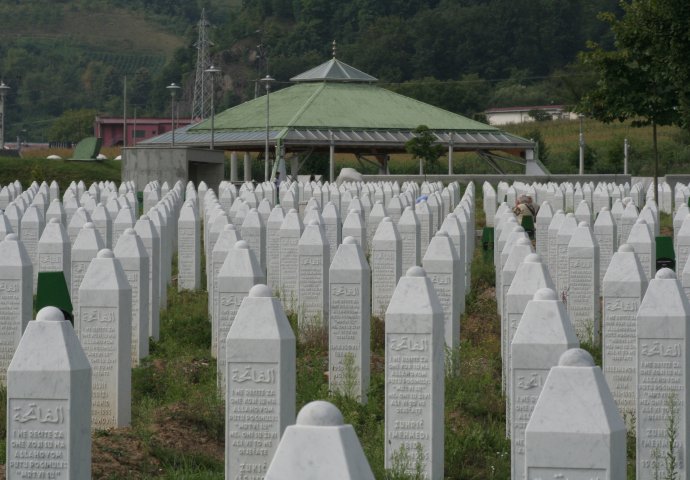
{"points": [[336, 108]]}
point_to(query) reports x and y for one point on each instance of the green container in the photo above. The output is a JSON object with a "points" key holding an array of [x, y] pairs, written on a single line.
{"points": [[665, 255], [52, 291]]}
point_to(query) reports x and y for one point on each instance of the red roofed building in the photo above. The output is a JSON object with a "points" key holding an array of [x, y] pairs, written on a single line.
{"points": [[111, 129]]}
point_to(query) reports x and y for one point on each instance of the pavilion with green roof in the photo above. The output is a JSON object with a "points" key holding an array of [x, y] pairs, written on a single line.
{"points": [[336, 108]]}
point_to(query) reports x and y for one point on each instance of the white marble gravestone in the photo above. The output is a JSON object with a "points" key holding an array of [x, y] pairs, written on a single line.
{"points": [[489, 203], [349, 315], [626, 222], [290, 233], [529, 277], [583, 213], [377, 213], [565, 233], [104, 327], [582, 288], [319, 446], [453, 228], [80, 217], [264, 210], [394, 207], [239, 273], [273, 246], [159, 222], [253, 232], [85, 248], [575, 430], [104, 224], [624, 286], [5, 226], [16, 298], [678, 219], [332, 227], [149, 237], [56, 210], [312, 289], [543, 335], [31, 229], [125, 219], [415, 374], [386, 265], [644, 244], [544, 216], [522, 248], [134, 258], [261, 378], [54, 250], [605, 232], [49, 402], [507, 228], [424, 214], [517, 233], [681, 243], [410, 235], [649, 216], [353, 226], [552, 259], [188, 248], [444, 269], [662, 373]]}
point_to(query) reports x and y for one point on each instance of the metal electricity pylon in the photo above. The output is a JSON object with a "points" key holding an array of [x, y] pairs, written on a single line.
{"points": [[201, 106]]}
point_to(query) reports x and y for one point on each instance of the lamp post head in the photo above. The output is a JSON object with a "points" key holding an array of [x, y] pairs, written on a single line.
{"points": [[3, 89], [173, 88], [267, 81], [212, 70]]}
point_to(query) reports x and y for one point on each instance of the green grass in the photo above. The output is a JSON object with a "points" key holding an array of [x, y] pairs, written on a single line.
{"points": [[605, 146]]}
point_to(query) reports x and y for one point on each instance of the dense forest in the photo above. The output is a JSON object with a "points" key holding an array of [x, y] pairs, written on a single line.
{"points": [[463, 55]]}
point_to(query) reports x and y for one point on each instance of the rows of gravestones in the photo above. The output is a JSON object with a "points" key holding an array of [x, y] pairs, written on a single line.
{"points": [[592, 277], [549, 302], [117, 265]]}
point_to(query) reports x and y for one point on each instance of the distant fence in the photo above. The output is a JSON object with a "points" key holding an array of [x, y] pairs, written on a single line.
{"points": [[60, 145], [494, 179]]}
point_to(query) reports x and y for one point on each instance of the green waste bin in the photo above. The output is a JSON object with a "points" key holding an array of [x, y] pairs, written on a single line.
{"points": [[665, 255], [52, 291]]}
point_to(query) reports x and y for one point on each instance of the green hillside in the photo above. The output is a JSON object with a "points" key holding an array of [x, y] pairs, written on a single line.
{"points": [[57, 56]]}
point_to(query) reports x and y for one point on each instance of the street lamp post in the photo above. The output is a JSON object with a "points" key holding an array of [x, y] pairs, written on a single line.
{"points": [[267, 80], [582, 146], [172, 88], [212, 71], [3, 91]]}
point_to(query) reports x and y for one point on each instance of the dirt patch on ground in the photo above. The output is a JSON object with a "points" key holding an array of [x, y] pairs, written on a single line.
{"points": [[176, 429], [175, 432], [118, 453]]}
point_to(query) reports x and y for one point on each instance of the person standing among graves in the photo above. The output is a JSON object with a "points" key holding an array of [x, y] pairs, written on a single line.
{"points": [[524, 208]]}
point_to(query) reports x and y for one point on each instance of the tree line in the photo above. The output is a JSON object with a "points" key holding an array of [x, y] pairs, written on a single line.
{"points": [[462, 55]]}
